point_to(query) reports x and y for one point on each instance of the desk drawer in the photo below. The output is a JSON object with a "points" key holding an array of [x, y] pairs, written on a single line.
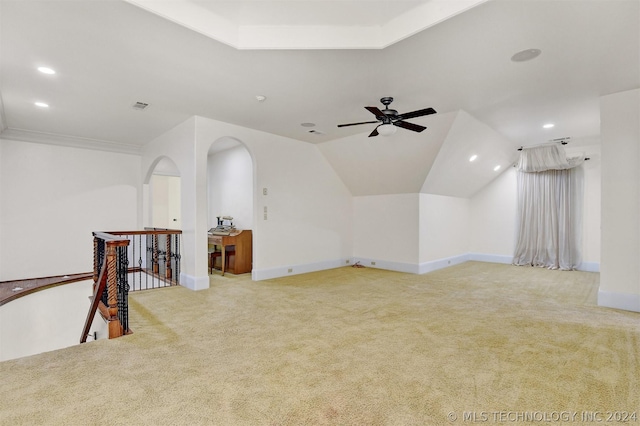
{"points": [[215, 239]]}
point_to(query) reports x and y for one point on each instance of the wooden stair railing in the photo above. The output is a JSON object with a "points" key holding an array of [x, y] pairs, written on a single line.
{"points": [[125, 261], [106, 279]]}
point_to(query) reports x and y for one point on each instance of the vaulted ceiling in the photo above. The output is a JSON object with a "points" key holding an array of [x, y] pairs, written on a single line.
{"points": [[108, 55]]}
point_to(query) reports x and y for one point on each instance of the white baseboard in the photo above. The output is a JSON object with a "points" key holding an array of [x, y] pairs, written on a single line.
{"points": [[411, 268], [624, 301], [194, 283], [589, 267], [387, 265], [434, 265], [491, 258], [283, 271]]}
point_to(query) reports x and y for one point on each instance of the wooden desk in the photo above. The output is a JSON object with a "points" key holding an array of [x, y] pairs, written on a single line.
{"points": [[242, 240]]}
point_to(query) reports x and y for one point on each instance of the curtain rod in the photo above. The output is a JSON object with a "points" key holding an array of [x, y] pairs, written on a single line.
{"points": [[563, 141]]}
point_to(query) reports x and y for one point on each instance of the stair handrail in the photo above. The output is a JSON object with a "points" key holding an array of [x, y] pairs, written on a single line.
{"points": [[107, 275]]}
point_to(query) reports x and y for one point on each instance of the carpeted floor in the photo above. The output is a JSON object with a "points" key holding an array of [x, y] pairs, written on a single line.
{"points": [[474, 343]]}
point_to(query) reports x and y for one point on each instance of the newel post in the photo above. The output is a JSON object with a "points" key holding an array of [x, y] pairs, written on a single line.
{"points": [[115, 326]]}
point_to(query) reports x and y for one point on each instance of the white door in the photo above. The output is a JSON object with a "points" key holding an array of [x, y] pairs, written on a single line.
{"points": [[165, 194]]}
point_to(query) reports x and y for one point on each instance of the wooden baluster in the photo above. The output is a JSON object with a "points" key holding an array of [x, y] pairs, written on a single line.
{"points": [[96, 266]]}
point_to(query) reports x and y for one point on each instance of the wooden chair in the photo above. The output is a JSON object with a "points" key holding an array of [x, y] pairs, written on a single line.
{"points": [[217, 254]]}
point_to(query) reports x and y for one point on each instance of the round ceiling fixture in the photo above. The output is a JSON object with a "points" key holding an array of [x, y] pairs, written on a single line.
{"points": [[261, 98], [308, 124], [526, 55], [386, 129]]}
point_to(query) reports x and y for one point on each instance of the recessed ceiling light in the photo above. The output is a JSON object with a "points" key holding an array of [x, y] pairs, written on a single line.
{"points": [[261, 98], [41, 104], [548, 125], [46, 70], [526, 55], [473, 157], [496, 168], [308, 124]]}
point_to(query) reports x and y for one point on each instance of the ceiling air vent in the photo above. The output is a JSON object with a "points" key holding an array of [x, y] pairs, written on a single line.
{"points": [[139, 106]]}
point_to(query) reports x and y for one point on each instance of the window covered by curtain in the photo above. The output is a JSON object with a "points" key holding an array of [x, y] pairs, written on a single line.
{"points": [[549, 208]]}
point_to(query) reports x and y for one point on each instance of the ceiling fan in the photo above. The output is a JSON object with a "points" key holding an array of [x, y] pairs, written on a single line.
{"points": [[388, 118]]}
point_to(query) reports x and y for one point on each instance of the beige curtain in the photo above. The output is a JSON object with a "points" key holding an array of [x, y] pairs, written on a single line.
{"points": [[549, 209]]}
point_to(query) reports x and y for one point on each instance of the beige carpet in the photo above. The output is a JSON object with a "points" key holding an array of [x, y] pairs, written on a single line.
{"points": [[347, 346]]}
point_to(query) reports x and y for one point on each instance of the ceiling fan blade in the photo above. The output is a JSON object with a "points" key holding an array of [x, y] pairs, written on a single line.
{"points": [[375, 111], [409, 126], [418, 113], [355, 124], [375, 132]]}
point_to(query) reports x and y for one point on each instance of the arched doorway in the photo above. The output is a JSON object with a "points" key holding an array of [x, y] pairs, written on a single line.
{"points": [[163, 195], [230, 185]]}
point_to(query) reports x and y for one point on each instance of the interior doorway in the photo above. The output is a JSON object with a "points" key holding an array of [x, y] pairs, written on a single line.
{"points": [[163, 196], [165, 206], [230, 183], [230, 198]]}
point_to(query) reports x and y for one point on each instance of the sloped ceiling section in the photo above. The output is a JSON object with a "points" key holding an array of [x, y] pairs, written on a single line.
{"points": [[394, 164], [452, 172], [436, 162]]}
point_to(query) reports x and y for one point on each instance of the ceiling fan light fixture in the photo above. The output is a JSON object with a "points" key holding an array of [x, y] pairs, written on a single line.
{"points": [[386, 129], [526, 55]]}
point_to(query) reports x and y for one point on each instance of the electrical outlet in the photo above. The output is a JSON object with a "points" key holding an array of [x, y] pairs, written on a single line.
{"points": [[290, 270], [347, 262], [373, 263], [264, 191]]}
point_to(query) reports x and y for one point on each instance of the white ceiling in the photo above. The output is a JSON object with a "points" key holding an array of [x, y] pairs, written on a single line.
{"points": [[109, 54], [307, 24]]}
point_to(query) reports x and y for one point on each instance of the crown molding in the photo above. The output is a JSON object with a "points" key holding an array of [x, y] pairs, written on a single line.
{"points": [[22, 135]]}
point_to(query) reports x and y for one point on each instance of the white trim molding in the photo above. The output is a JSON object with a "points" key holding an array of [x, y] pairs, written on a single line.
{"points": [[71, 141], [410, 268], [434, 265], [283, 271], [624, 301], [491, 258], [194, 283]]}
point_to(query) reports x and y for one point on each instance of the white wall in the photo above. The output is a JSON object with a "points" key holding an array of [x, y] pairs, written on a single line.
{"points": [[494, 210], [230, 180], [47, 320], [53, 197], [493, 219], [308, 207], [443, 231], [178, 145], [591, 212], [620, 263], [385, 231], [2, 196]]}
